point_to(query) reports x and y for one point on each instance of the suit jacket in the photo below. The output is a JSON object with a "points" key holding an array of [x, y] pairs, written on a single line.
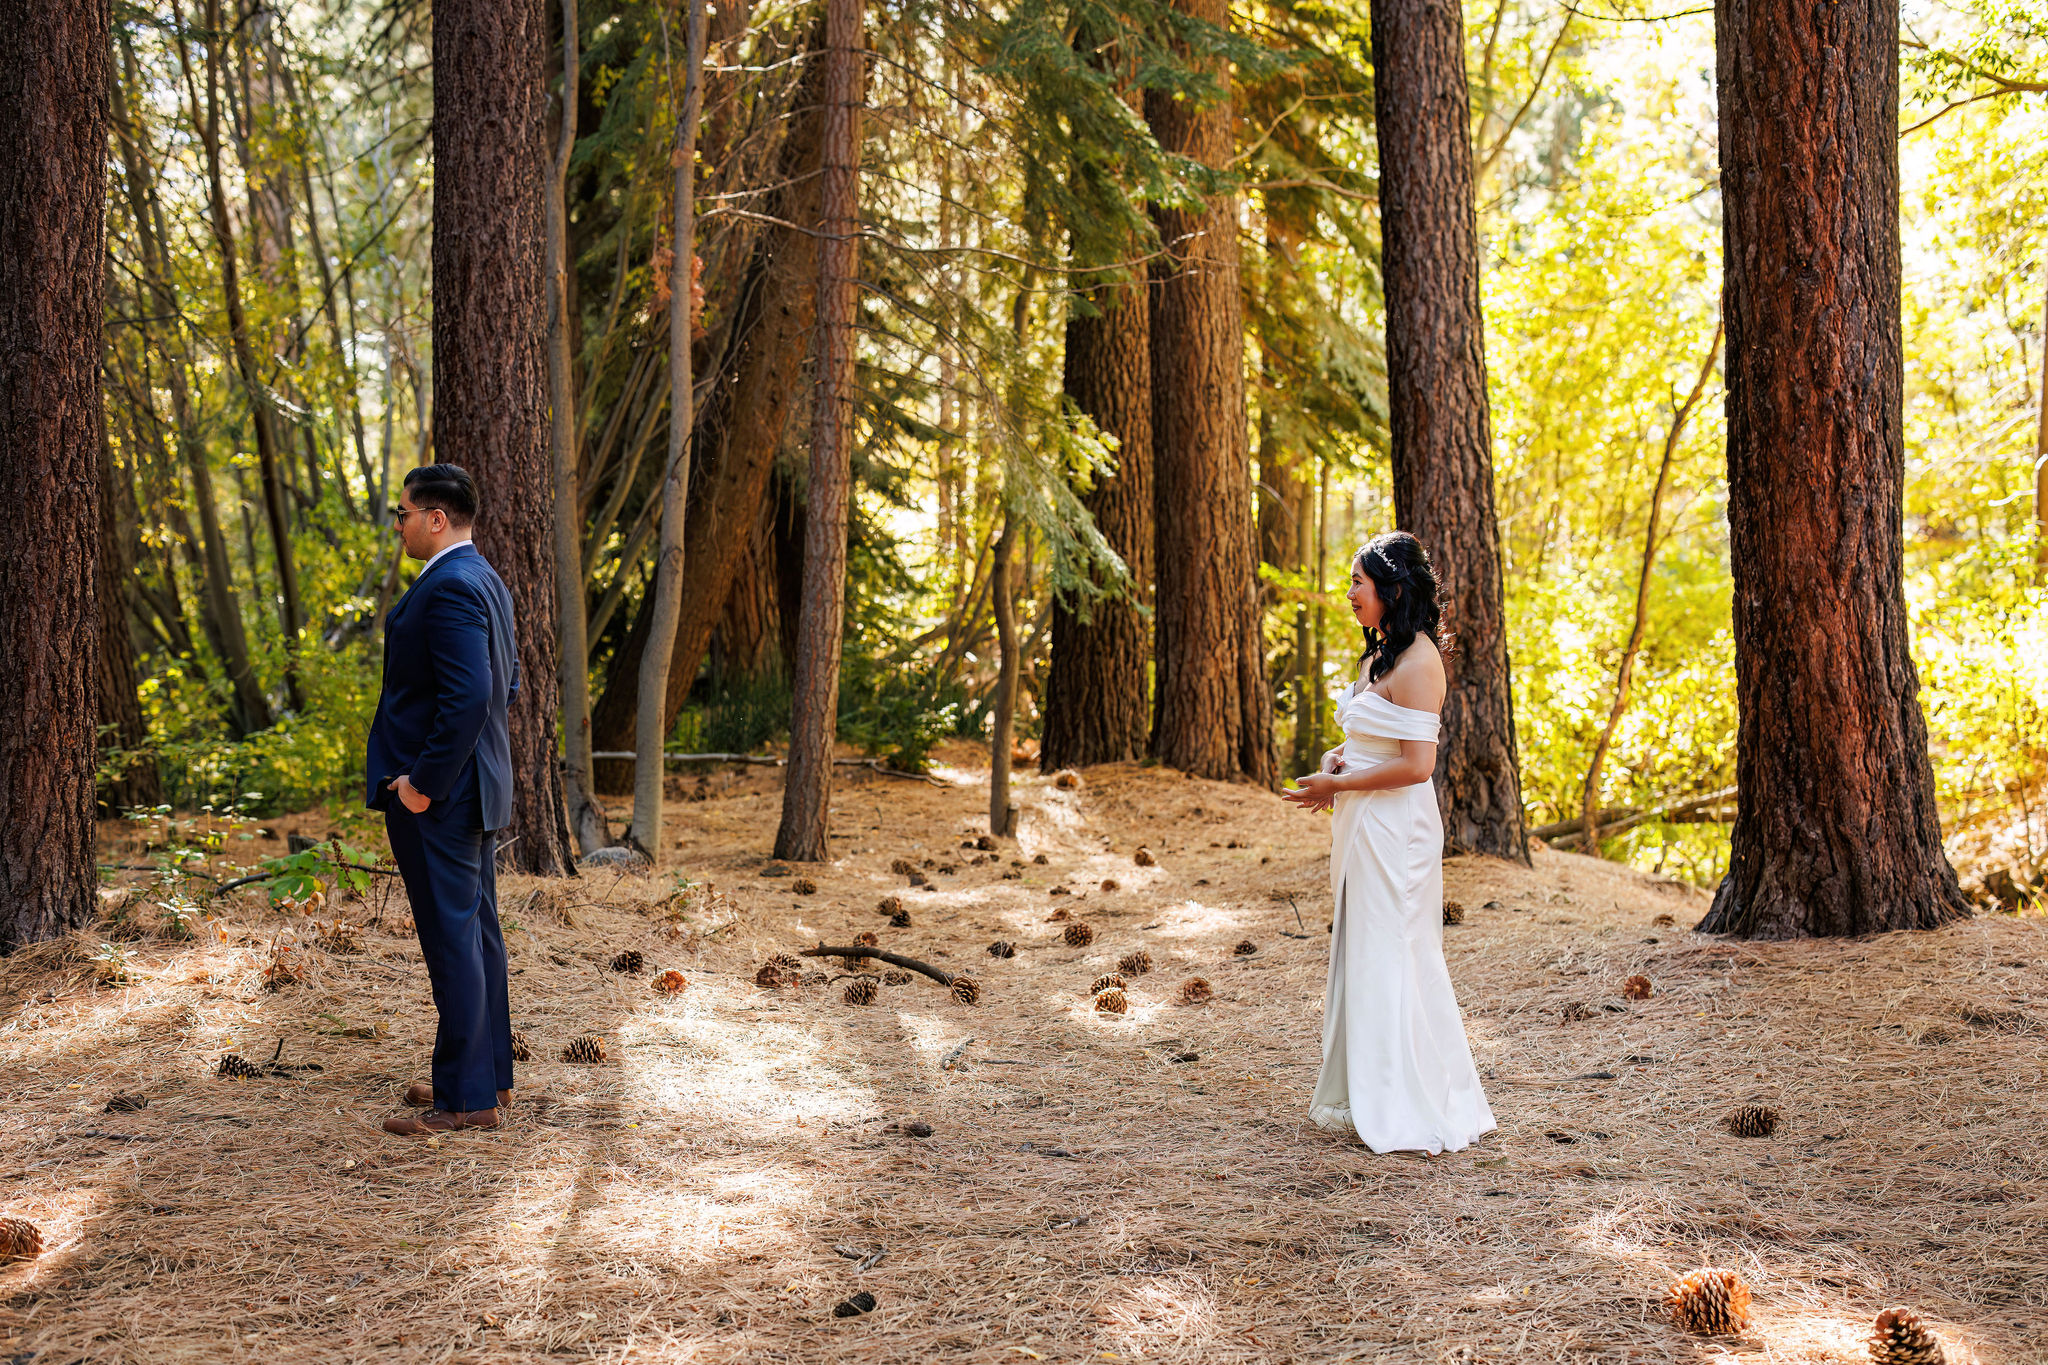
{"points": [[451, 670]]}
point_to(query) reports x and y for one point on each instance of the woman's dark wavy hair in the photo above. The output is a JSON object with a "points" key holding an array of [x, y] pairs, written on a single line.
{"points": [[1406, 581]]}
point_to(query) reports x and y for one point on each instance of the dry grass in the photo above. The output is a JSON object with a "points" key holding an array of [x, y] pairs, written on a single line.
{"points": [[1083, 1196]]}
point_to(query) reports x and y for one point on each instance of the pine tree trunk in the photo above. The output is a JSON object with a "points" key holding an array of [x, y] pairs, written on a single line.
{"points": [[53, 151], [1213, 711], [1436, 390], [1096, 706], [490, 360], [1002, 816], [737, 433], [1836, 830], [814, 703]]}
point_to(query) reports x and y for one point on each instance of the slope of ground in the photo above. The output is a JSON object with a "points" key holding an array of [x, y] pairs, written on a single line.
{"points": [[740, 1163]]}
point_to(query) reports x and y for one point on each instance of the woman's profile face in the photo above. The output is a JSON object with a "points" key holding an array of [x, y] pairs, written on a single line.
{"points": [[1364, 598]]}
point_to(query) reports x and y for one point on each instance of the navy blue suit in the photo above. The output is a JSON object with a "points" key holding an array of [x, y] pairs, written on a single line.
{"points": [[451, 670]]}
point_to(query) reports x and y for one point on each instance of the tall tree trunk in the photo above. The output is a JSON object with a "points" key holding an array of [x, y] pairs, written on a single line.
{"points": [[1436, 400], [490, 359], [807, 791], [206, 116], [1002, 816], [1308, 678], [651, 722], [1096, 706], [1589, 795], [53, 151], [119, 715], [586, 816], [221, 613], [1213, 711], [738, 430], [2041, 452], [1836, 830]]}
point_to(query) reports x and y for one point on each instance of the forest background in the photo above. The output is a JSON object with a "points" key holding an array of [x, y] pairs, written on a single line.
{"points": [[280, 156]]}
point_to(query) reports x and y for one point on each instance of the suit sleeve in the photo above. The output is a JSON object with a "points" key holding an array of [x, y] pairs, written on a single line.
{"points": [[459, 634]]}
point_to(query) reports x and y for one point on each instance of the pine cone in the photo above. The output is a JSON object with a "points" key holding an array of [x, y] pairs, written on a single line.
{"points": [[786, 962], [985, 842], [1663, 922], [1103, 983], [771, 976], [890, 905], [895, 976], [670, 983], [902, 867], [861, 991], [1040, 859], [1901, 1338], [235, 1068], [1059, 913], [1067, 780], [1576, 1010], [900, 920], [1752, 1120], [1143, 858], [1059, 891], [1078, 935], [631, 962], [20, 1240], [588, 1048], [1454, 913], [966, 990], [1112, 1002], [1195, 991], [127, 1104], [1001, 949], [918, 878], [521, 1050], [1135, 964], [804, 886], [1637, 987], [1245, 949], [866, 938], [860, 1303], [1710, 1302], [1110, 884]]}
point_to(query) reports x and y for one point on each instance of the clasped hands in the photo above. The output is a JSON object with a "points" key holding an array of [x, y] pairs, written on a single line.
{"points": [[415, 800], [1318, 790]]}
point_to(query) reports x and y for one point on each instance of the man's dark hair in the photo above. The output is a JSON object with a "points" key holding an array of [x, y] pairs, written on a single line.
{"points": [[446, 486]]}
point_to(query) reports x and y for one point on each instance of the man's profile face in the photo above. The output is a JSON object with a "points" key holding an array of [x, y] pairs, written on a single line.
{"points": [[417, 526]]}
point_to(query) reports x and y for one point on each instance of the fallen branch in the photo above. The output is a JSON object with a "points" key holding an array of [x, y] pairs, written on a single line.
{"points": [[880, 955], [771, 761], [1624, 818]]}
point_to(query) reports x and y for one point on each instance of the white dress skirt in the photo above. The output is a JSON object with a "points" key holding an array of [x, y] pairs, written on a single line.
{"points": [[1397, 1070]]}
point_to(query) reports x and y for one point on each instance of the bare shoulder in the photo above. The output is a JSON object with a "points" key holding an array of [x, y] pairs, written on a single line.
{"points": [[1417, 679]]}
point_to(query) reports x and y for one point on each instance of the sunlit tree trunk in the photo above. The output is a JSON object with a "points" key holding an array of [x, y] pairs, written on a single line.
{"points": [[53, 151], [1436, 399], [1212, 709], [1836, 830], [490, 360], [134, 782], [814, 703]]}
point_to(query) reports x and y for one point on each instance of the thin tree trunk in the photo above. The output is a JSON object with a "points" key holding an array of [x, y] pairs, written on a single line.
{"points": [[119, 717], [805, 832], [1836, 830], [261, 413], [490, 359], [1306, 682], [658, 654], [53, 149], [1589, 811], [2041, 453], [1002, 816], [1097, 707], [1436, 399], [1213, 709], [1320, 694], [586, 816]]}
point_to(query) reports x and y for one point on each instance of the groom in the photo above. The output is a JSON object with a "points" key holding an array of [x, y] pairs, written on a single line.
{"points": [[440, 768]]}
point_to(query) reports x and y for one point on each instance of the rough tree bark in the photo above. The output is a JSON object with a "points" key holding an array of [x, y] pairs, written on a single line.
{"points": [[1436, 391], [1213, 711], [490, 360], [53, 151], [1096, 706], [814, 702], [1836, 830], [738, 430], [572, 644]]}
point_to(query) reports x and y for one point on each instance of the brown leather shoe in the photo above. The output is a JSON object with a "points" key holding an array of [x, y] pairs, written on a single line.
{"points": [[420, 1095], [434, 1121]]}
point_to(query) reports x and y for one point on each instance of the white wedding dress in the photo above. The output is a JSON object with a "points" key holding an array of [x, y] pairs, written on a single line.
{"points": [[1397, 1070]]}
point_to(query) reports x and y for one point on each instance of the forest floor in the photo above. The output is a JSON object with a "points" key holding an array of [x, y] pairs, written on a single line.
{"points": [[1088, 1192]]}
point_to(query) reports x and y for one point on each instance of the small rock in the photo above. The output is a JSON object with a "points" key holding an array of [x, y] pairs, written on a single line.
{"points": [[918, 1129]]}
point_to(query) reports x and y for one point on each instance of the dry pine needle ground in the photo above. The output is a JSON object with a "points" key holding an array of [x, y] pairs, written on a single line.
{"points": [[1083, 1195]]}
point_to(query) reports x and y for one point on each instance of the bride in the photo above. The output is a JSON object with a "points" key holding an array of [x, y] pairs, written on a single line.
{"points": [[1397, 1070]]}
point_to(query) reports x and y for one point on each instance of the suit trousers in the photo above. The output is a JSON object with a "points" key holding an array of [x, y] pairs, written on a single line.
{"points": [[448, 861]]}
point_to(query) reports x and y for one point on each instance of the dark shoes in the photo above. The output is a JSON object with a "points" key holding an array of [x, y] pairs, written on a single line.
{"points": [[433, 1121], [420, 1095]]}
